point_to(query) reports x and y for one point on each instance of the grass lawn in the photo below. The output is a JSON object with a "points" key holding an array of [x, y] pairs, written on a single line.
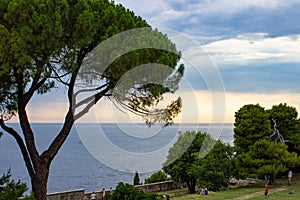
{"points": [[283, 195], [227, 194], [252, 193]]}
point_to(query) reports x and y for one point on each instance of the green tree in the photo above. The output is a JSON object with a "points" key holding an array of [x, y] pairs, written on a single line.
{"points": [[157, 177], [213, 170], [136, 179], [265, 159], [216, 168], [52, 44], [251, 124], [287, 124], [182, 157], [128, 192], [9, 189]]}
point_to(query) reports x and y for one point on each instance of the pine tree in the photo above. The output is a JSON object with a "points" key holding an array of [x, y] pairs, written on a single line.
{"points": [[10, 189], [136, 180]]}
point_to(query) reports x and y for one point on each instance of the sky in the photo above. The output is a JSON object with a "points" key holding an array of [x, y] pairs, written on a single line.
{"points": [[253, 49]]}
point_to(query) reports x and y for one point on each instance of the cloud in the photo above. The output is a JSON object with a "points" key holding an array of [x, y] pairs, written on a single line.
{"points": [[254, 48], [251, 62], [229, 7], [221, 18], [171, 16], [146, 9]]}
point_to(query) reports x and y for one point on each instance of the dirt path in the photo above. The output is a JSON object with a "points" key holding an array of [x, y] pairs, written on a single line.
{"points": [[256, 194]]}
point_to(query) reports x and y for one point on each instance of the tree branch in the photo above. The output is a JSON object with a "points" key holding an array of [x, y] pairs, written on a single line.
{"points": [[56, 144], [21, 144], [90, 90], [93, 101], [137, 111], [36, 83], [24, 122], [88, 99], [58, 77]]}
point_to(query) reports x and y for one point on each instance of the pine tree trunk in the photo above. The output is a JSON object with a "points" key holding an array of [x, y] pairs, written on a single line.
{"points": [[39, 183]]}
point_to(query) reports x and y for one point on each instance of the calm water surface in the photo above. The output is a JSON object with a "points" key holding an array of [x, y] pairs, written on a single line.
{"points": [[75, 168]]}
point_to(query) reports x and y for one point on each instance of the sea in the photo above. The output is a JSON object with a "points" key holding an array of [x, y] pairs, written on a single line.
{"points": [[97, 156]]}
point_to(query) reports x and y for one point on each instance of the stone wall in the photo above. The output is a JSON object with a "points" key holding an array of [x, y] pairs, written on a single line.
{"points": [[81, 195], [69, 195], [161, 186], [99, 195], [245, 182]]}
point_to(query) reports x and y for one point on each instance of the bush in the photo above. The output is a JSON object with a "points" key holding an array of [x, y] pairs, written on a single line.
{"points": [[9, 189], [156, 177], [128, 192]]}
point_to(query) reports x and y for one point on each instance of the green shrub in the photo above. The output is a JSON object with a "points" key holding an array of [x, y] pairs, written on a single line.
{"points": [[156, 177], [9, 189], [128, 192]]}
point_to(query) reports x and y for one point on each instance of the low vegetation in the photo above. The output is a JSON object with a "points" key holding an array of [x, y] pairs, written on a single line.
{"points": [[279, 191], [157, 177], [11, 189], [128, 192]]}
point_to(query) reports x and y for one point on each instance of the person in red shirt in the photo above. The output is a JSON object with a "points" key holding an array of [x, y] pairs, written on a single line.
{"points": [[266, 190]]}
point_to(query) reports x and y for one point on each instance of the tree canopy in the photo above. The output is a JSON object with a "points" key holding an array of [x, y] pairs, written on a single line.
{"points": [[213, 170], [87, 47], [265, 159], [266, 140], [182, 157], [288, 124], [251, 124]]}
